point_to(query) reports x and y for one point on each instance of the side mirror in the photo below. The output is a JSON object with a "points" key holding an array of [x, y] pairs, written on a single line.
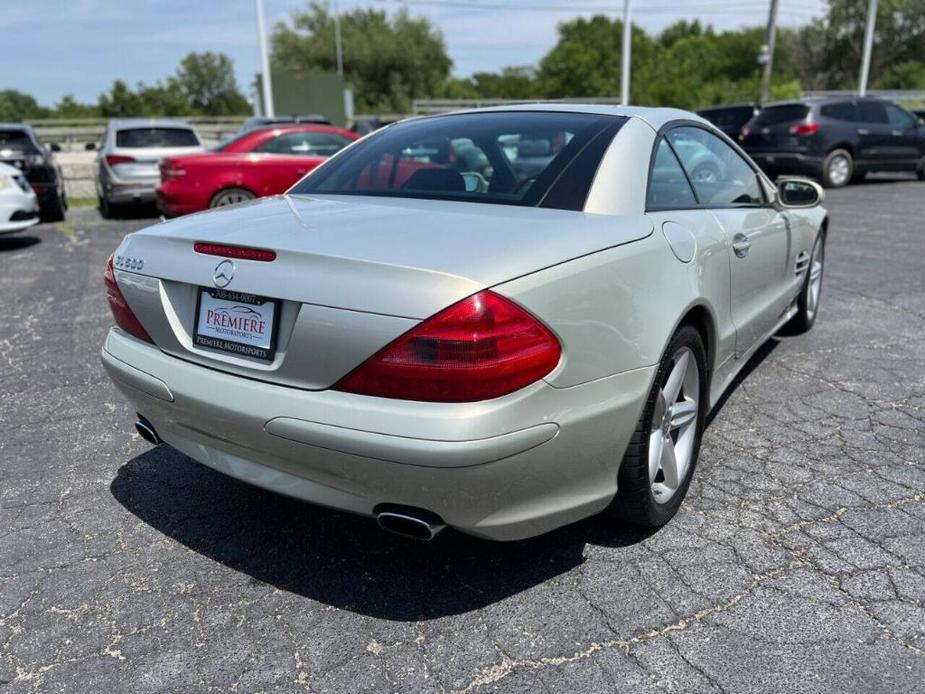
{"points": [[799, 192], [90, 146], [54, 147]]}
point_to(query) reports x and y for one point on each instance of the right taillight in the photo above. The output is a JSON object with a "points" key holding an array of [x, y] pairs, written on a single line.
{"points": [[480, 348], [804, 129], [121, 312], [113, 159]]}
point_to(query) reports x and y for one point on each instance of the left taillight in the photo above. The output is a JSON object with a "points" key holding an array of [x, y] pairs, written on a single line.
{"points": [[480, 348], [121, 312], [804, 129]]}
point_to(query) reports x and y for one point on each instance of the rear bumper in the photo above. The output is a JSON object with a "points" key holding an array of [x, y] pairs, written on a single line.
{"points": [[135, 193], [557, 464], [782, 163], [175, 201]]}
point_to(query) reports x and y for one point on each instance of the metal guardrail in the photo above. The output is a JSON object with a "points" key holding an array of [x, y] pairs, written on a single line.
{"points": [[72, 134], [898, 95]]}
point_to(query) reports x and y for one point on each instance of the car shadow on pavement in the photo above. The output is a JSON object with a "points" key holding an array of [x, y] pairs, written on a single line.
{"points": [[338, 558], [345, 560], [17, 243]]}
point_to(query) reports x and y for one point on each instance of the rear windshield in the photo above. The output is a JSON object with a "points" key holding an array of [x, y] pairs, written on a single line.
{"points": [[142, 138], [18, 140], [782, 114], [510, 158]]}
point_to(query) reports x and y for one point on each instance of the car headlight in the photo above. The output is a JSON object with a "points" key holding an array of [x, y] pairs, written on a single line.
{"points": [[5, 182], [23, 183]]}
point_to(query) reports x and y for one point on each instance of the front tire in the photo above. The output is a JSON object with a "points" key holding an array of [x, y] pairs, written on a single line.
{"points": [[53, 211], [920, 170], [837, 169], [660, 459], [808, 301]]}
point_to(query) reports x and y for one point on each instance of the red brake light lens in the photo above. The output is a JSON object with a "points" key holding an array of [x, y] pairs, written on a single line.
{"points": [[113, 159], [236, 252], [480, 348], [123, 315], [804, 129]]}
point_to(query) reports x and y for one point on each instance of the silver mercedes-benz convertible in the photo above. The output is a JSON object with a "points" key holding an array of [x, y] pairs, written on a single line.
{"points": [[500, 320]]}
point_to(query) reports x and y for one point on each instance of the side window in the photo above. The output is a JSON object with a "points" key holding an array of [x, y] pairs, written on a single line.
{"points": [[668, 186], [843, 111], [899, 118], [871, 112], [306, 144], [721, 177]]}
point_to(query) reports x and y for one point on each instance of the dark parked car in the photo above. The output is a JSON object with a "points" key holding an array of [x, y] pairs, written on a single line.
{"points": [[20, 147], [729, 117], [255, 122], [835, 139]]}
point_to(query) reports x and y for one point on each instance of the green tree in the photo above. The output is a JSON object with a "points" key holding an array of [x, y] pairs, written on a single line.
{"points": [[69, 107], [909, 74], [120, 102], [206, 82], [828, 52], [16, 107], [389, 60]]}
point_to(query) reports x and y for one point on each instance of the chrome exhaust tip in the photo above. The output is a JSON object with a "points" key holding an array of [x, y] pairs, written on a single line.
{"points": [[417, 524], [146, 431]]}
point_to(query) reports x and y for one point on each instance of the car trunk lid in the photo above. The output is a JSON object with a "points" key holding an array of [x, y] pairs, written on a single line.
{"points": [[350, 273]]}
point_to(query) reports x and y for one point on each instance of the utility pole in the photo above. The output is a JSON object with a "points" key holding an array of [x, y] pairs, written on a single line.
{"points": [[868, 46], [338, 43], [767, 53], [626, 58], [264, 63]]}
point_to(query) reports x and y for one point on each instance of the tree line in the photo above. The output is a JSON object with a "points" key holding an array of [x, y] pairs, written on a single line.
{"points": [[392, 59]]}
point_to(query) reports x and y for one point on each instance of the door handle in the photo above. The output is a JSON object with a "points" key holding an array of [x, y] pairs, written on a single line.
{"points": [[740, 245], [897, 132], [301, 172], [863, 131]]}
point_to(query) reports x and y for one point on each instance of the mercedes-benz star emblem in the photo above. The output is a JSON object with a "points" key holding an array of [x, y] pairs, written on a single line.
{"points": [[224, 273]]}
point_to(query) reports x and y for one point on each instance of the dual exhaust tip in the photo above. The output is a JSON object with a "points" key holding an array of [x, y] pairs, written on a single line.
{"points": [[407, 521]]}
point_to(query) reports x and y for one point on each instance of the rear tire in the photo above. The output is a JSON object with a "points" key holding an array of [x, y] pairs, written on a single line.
{"points": [[920, 171], [649, 494], [837, 169], [230, 196], [53, 211], [106, 208], [808, 301]]}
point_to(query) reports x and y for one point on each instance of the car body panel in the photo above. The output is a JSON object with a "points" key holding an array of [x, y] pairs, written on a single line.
{"points": [[19, 208], [612, 283]]}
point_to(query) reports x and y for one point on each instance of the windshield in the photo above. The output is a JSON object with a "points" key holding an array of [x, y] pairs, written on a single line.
{"points": [[142, 138], [511, 158]]}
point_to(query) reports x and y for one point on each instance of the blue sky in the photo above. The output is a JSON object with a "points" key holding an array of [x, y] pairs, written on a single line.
{"points": [[58, 47]]}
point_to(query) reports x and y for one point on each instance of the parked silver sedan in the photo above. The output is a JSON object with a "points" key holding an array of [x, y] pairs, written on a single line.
{"points": [[501, 343], [127, 164]]}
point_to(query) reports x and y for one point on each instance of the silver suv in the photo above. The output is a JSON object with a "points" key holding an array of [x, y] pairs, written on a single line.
{"points": [[127, 165]]}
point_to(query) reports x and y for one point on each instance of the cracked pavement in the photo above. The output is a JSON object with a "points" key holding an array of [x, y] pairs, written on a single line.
{"points": [[797, 562]]}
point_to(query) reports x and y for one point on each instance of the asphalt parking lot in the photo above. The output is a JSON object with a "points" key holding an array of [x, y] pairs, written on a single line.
{"points": [[797, 562]]}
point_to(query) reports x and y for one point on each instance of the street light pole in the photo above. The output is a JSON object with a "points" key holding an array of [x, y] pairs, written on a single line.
{"points": [[338, 43], [770, 39], [626, 58], [868, 46], [264, 63]]}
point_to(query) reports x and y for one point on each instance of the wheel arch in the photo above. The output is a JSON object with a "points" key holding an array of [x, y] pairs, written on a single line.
{"points": [[231, 186], [700, 317]]}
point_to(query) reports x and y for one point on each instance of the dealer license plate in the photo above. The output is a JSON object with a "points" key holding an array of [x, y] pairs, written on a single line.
{"points": [[238, 323]]}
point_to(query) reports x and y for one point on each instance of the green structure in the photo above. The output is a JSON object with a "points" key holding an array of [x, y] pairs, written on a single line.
{"points": [[304, 93]]}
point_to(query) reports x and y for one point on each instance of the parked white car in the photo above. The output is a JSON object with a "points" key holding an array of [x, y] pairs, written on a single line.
{"points": [[19, 208]]}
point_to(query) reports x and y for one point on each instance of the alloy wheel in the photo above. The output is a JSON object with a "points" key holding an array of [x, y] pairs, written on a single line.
{"points": [[814, 287], [839, 170], [674, 426], [231, 197]]}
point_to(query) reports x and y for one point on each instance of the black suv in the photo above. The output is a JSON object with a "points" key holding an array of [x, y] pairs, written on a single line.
{"points": [[729, 117], [19, 147], [835, 139]]}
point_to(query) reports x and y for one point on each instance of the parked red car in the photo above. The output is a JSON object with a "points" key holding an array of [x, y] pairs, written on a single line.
{"points": [[260, 162]]}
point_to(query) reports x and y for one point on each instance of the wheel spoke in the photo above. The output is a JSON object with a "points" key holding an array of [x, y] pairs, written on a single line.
{"points": [[656, 446], [669, 464], [676, 379], [682, 413]]}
